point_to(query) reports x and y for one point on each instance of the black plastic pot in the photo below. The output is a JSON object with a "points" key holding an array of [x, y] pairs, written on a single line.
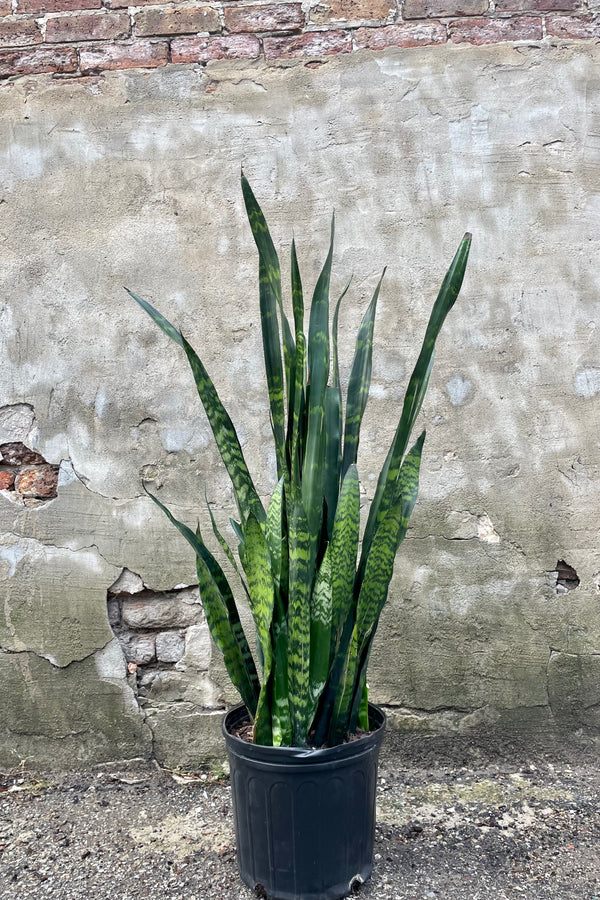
{"points": [[304, 819]]}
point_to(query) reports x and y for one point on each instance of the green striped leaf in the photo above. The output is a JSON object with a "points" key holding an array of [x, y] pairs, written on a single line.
{"points": [[413, 399], [343, 552], [334, 337], [340, 720], [363, 710], [222, 427], [225, 546], [320, 634], [227, 440], [298, 417], [318, 373], [333, 452], [270, 301], [282, 723], [300, 578], [221, 614], [224, 638], [360, 382], [380, 562], [157, 318], [257, 565], [274, 532], [297, 295]]}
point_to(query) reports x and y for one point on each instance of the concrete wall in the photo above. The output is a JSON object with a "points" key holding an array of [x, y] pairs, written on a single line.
{"points": [[132, 178]]}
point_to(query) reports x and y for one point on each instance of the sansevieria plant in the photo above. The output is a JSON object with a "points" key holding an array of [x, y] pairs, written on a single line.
{"points": [[315, 592]]}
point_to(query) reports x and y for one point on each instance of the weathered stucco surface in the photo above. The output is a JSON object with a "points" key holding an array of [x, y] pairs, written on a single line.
{"points": [[133, 179]]}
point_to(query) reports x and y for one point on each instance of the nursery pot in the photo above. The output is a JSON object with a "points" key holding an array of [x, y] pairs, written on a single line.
{"points": [[304, 819]]}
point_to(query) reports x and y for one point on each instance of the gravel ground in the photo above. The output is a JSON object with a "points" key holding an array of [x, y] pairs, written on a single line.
{"points": [[458, 819]]}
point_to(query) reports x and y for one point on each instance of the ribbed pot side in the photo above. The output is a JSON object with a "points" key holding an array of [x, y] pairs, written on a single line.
{"points": [[304, 819]]}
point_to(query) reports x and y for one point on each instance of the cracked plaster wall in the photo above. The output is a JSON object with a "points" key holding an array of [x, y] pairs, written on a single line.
{"points": [[132, 178]]}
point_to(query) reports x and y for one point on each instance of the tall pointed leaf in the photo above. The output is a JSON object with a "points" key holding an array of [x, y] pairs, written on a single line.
{"points": [[270, 301], [282, 722], [340, 719], [257, 565], [221, 614], [415, 393], [222, 427], [318, 373], [334, 336], [300, 576], [274, 533], [225, 546], [380, 562], [333, 444], [360, 381], [343, 551], [320, 633]]}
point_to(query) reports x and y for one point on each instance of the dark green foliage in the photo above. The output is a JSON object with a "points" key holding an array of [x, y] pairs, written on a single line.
{"points": [[315, 603]]}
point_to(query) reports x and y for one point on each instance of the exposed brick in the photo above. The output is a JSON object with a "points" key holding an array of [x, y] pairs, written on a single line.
{"points": [[536, 6], [435, 9], [274, 17], [140, 55], [169, 646], [201, 50], [492, 31], [138, 648], [161, 611], [39, 482], [404, 35], [20, 33], [40, 7], [59, 60], [121, 4], [177, 21], [572, 27], [352, 11], [5, 7], [15, 453], [93, 27], [312, 44], [7, 481]]}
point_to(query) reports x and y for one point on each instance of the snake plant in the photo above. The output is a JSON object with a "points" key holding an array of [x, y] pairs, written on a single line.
{"points": [[315, 591]]}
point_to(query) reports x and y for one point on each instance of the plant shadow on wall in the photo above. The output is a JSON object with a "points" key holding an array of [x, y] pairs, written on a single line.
{"points": [[315, 593]]}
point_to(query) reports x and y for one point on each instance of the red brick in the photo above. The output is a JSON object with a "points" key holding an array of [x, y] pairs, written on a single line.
{"points": [[59, 60], [41, 7], [121, 4], [140, 55], [493, 31], [93, 27], [201, 50], [274, 17], [19, 34], [312, 45], [177, 21], [435, 9], [14, 453], [7, 481], [5, 7], [536, 6], [572, 27], [352, 11], [41, 482], [404, 35]]}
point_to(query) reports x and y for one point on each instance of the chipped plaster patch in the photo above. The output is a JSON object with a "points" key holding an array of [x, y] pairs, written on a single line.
{"points": [[587, 382], [459, 390], [486, 531]]}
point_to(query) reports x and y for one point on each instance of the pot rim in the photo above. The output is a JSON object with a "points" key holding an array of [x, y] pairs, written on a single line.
{"points": [[296, 756]]}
